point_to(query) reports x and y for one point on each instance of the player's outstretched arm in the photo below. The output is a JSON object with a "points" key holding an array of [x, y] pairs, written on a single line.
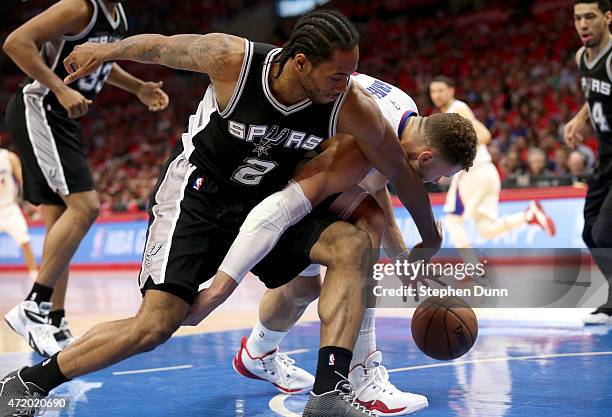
{"points": [[148, 92], [361, 117], [217, 54], [67, 17]]}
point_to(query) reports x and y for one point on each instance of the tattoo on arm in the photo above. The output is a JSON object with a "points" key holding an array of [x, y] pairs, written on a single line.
{"points": [[200, 53]]}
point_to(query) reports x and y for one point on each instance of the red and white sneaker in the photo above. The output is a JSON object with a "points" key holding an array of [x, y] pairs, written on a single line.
{"points": [[536, 215], [374, 391], [275, 367]]}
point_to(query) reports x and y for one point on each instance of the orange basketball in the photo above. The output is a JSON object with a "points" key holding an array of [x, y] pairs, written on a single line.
{"points": [[444, 329]]}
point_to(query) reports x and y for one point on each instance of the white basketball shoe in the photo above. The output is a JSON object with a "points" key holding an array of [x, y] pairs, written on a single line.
{"points": [[374, 391], [31, 321], [275, 367]]}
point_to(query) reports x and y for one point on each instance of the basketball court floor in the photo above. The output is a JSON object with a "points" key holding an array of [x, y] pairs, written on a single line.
{"points": [[525, 362]]}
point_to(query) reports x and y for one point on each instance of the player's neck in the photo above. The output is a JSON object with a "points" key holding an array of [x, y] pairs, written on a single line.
{"points": [[594, 51], [285, 88]]}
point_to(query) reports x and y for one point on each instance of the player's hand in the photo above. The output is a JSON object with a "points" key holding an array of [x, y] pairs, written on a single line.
{"points": [[152, 96], [574, 132], [75, 104], [425, 250], [83, 60]]}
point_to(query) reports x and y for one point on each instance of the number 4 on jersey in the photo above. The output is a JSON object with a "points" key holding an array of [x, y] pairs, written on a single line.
{"points": [[599, 118]]}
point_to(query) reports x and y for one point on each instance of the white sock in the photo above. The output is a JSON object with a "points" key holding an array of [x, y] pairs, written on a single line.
{"points": [[263, 340], [263, 227], [366, 341]]}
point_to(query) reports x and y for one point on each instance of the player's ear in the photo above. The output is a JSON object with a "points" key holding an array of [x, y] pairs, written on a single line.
{"points": [[426, 158], [608, 17], [302, 64]]}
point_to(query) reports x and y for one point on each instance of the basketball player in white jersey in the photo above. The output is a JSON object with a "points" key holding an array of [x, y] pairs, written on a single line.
{"points": [[280, 308], [12, 221], [475, 194]]}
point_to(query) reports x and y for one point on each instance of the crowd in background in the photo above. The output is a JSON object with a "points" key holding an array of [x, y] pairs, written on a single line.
{"points": [[514, 66]]}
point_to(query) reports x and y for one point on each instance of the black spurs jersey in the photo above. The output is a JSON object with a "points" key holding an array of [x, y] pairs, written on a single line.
{"points": [[254, 145], [102, 28], [596, 81]]}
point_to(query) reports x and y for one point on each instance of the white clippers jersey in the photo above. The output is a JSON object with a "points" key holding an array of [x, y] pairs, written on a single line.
{"points": [[482, 153], [395, 105], [8, 190]]}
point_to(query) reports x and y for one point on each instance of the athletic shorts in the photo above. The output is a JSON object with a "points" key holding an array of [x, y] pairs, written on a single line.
{"points": [[51, 150], [14, 224], [193, 221], [598, 203], [475, 193]]}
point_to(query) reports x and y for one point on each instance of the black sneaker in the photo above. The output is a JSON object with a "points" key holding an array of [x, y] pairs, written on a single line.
{"points": [[601, 316], [13, 391], [337, 403]]}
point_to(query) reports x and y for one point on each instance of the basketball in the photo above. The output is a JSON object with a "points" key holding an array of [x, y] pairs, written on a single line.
{"points": [[444, 329]]}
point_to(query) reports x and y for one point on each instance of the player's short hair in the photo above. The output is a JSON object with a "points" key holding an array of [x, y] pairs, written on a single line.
{"points": [[453, 136], [443, 79], [604, 5], [317, 35]]}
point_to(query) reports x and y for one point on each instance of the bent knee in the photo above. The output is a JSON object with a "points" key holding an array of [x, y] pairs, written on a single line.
{"points": [[148, 334], [305, 290], [341, 243]]}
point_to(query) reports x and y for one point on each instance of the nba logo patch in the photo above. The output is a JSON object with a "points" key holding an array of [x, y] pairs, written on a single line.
{"points": [[332, 359], [198, 183]]}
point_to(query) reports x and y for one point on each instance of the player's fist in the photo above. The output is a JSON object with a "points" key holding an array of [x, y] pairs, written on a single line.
{"points": [[152, 96], [75, 104], [83, 60], [574, 131]]}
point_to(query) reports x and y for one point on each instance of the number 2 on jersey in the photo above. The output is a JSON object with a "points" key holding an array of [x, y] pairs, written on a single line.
{"points": [[599, 118], [252, 173]]}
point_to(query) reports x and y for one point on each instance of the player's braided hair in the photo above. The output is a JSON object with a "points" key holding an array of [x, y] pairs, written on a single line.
{"points": [[604, 5], [316, 35], [454, 136]]}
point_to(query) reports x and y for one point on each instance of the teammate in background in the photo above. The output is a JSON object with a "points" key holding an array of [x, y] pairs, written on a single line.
{"points": [[440, 145], [592, 21], [475, 194], [11, 218], [43, 117], [232, 155]]}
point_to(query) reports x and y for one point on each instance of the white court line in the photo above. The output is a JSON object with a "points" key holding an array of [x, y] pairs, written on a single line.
{"points": [[146, 371], [295, 352], [500, 359], [277, 403]]}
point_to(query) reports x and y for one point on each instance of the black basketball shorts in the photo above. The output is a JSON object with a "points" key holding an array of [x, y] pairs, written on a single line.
{"points": [[50, 146], [193, 221]]}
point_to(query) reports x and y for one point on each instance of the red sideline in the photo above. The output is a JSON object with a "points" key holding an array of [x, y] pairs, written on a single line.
{"points": [[80, 267]]}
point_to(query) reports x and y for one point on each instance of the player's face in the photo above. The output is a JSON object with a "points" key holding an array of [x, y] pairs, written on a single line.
{"points": [[432, 167], [441, 94], [591, 23], [325, 82]]}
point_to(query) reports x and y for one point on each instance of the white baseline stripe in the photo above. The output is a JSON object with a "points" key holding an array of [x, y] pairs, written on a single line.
{"points": [[146, 371], [295, 352], [500, 359], [277, 404]]}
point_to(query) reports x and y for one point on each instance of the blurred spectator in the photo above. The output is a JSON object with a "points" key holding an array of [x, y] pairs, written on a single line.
{"points": [[578, 170]]}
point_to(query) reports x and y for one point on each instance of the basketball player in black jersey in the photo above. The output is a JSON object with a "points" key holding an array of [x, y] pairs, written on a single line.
{"points": [[44, 119], [592, 21], [265, 110]]}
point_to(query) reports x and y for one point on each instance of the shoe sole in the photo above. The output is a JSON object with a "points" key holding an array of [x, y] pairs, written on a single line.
{"points": [[403, 412], [242, 370]]}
